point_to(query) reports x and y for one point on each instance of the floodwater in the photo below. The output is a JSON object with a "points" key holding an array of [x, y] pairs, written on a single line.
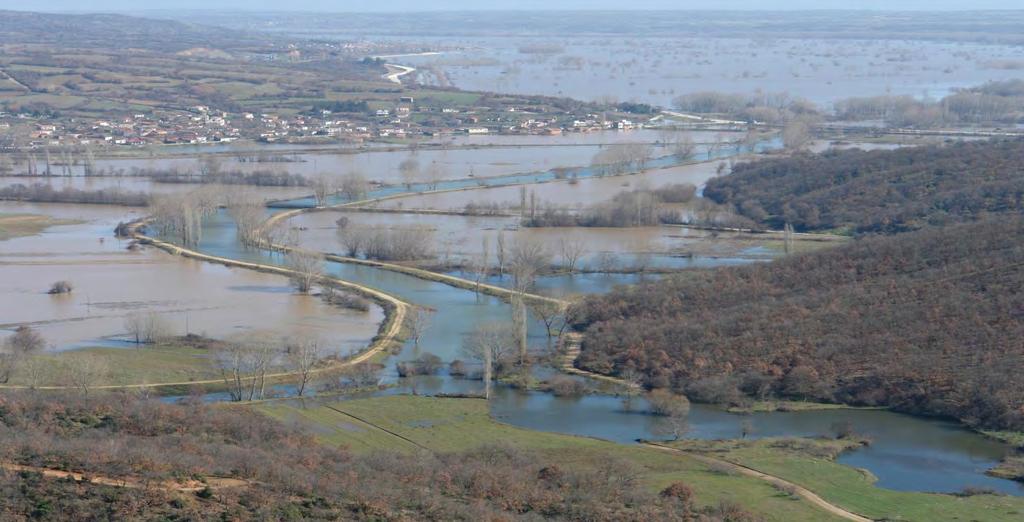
{"points": [[657, 69], [460, 240], [143, 184], [469, 156], [908, 453], [110, 282], [583, 192]]}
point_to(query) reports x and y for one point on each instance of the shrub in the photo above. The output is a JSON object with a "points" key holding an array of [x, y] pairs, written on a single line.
{"points": [[60, 287], [565, 386]]}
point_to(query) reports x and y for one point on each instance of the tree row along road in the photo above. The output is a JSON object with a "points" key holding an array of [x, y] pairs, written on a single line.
{"points": [[395, 310], [803, 492]]}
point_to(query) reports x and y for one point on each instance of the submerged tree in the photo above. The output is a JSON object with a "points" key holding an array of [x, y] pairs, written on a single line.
{"points": [[307, 269]]}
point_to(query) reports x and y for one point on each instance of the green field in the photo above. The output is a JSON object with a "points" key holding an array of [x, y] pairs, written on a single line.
{"points": [[854, 489], [115, 366], [408, 423]]}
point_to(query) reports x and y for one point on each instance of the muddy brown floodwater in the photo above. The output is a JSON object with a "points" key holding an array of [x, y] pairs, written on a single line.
{"points": [[585, 191], [111, 282], [461, 238]]}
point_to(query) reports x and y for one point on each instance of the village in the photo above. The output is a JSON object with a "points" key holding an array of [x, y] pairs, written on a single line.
{"points": [[382, 120]]}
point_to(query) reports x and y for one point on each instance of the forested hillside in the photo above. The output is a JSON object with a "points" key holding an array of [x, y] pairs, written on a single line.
{"points": [[927, 322], [878, 191]]}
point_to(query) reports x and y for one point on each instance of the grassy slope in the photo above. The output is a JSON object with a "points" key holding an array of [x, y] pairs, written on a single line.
{"points": [[853, 489], [448, 425]]}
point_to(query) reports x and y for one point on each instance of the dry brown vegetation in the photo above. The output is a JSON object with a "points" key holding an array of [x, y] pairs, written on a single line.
{"points": [[925, 322], [288, 475], [878, 191]]}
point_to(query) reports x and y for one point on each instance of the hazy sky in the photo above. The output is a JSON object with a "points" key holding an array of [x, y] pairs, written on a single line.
{"points": [[439, 5]]}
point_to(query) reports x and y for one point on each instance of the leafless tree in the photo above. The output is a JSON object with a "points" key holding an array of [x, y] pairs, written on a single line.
{"points": [[433, 175], [796, 134], [528, 258], [323, 187], [182, 214], [418, 325], [307, 268], [683, 147], [409, 168], [354, 186], [500, 253], [209, 166], [353, 238], [85, 372], [490, 343], [519, 326], [673, 411], [247, 210], [148, 327], [18, 348], [244, 363], [230, 357], [303, 355], [787, 238], [484, 264], [552, 314], [572, 250]]}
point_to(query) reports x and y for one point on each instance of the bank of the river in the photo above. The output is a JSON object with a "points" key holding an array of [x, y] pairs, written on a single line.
{"points": [[19, 225]]}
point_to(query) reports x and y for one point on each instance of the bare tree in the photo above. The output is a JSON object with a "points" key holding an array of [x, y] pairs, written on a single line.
{"points": [[787, 238], [572, 250], [673, 411], [230, 357], [490, 343], [25, 343], [135, 323], [353, 238], [303, 355], [147, 327], [552, 314], [433, 175], [500, 253], [519, 326], [323, 187], [247, 210], [796, 134], [354, 186], [409, 168], [85, 372], [244, 363], [182, 215], [484, 264], [683, 147], [307, 268], [529, 257], [418, 325]]}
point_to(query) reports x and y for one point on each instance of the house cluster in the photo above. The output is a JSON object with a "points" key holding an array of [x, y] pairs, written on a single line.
{"points": [[401, 119]]}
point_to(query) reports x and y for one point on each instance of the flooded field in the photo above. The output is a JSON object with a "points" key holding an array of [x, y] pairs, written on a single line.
{"points": [[585, 191], [142, 184], [461, 240], [111, 282], [657, 69], [450, 157]]}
